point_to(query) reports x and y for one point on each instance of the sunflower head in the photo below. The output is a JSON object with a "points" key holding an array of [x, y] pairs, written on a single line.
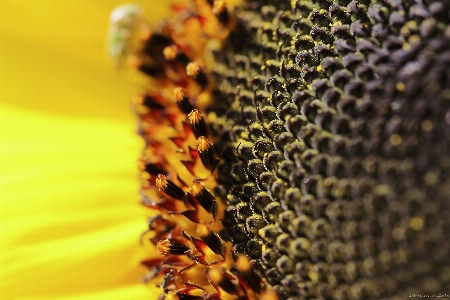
{"points": [[316, 137]]}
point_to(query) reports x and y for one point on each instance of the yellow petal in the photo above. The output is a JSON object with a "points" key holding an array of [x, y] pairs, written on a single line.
{"points": [[70, 221], [53, 57], [128, 292]]}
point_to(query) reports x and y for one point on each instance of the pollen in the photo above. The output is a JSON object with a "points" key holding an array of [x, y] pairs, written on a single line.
{"points": [[197, 122], [163, 246], [167, 247], [416, 223], [400, 86], [161, 182], [203, 144], [178, 94], [426, 125], [395, 139], [193, 69], [170, 52], [194, 117]]}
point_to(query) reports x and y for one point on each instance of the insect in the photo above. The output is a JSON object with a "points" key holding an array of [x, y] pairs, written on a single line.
{"points": [[124, 22]]}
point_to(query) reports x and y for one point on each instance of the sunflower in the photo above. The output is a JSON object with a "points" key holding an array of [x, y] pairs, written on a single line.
{"points": [[303, 143], [68, 203]]}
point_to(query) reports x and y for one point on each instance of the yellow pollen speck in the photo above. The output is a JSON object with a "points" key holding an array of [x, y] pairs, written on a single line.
{"points": [[161, 181], [400, 86], [313, 276], [178, 94], [328, 181], [416, 223], [414, 39], [338, 192], [170, 52], [395, 139], [194, 116], [192, 69], [203, 144], [319, 68], [431, 178], [408, 28], [406, 46], [267, 26], [382, 189], [426, 125], [163, 246], [264, 247]]}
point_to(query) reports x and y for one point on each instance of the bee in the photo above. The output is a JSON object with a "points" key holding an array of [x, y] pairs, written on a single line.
{"points": [[124, 23]]}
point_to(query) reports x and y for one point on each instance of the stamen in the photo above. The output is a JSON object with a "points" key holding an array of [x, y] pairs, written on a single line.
{"points": [[211, 239], [173, 53], [205, 198], [167, 186], [167, 247], [205, 151], [170, 52], [194, 70], [197, 122], [179, 96]]}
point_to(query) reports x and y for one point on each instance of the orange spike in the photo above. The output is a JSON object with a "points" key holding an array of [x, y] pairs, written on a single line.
{"points": [[197, 122], [167, 186]]}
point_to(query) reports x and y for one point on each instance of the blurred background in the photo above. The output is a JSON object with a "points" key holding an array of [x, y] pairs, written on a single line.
{"points": [[70, 221]]}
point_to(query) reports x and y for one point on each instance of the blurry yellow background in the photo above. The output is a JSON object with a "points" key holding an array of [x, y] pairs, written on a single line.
{"points": [[69, 217]]}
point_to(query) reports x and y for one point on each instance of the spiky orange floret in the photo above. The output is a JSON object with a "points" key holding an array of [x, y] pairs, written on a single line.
{"points": [[203, 144], [178, 151]]}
